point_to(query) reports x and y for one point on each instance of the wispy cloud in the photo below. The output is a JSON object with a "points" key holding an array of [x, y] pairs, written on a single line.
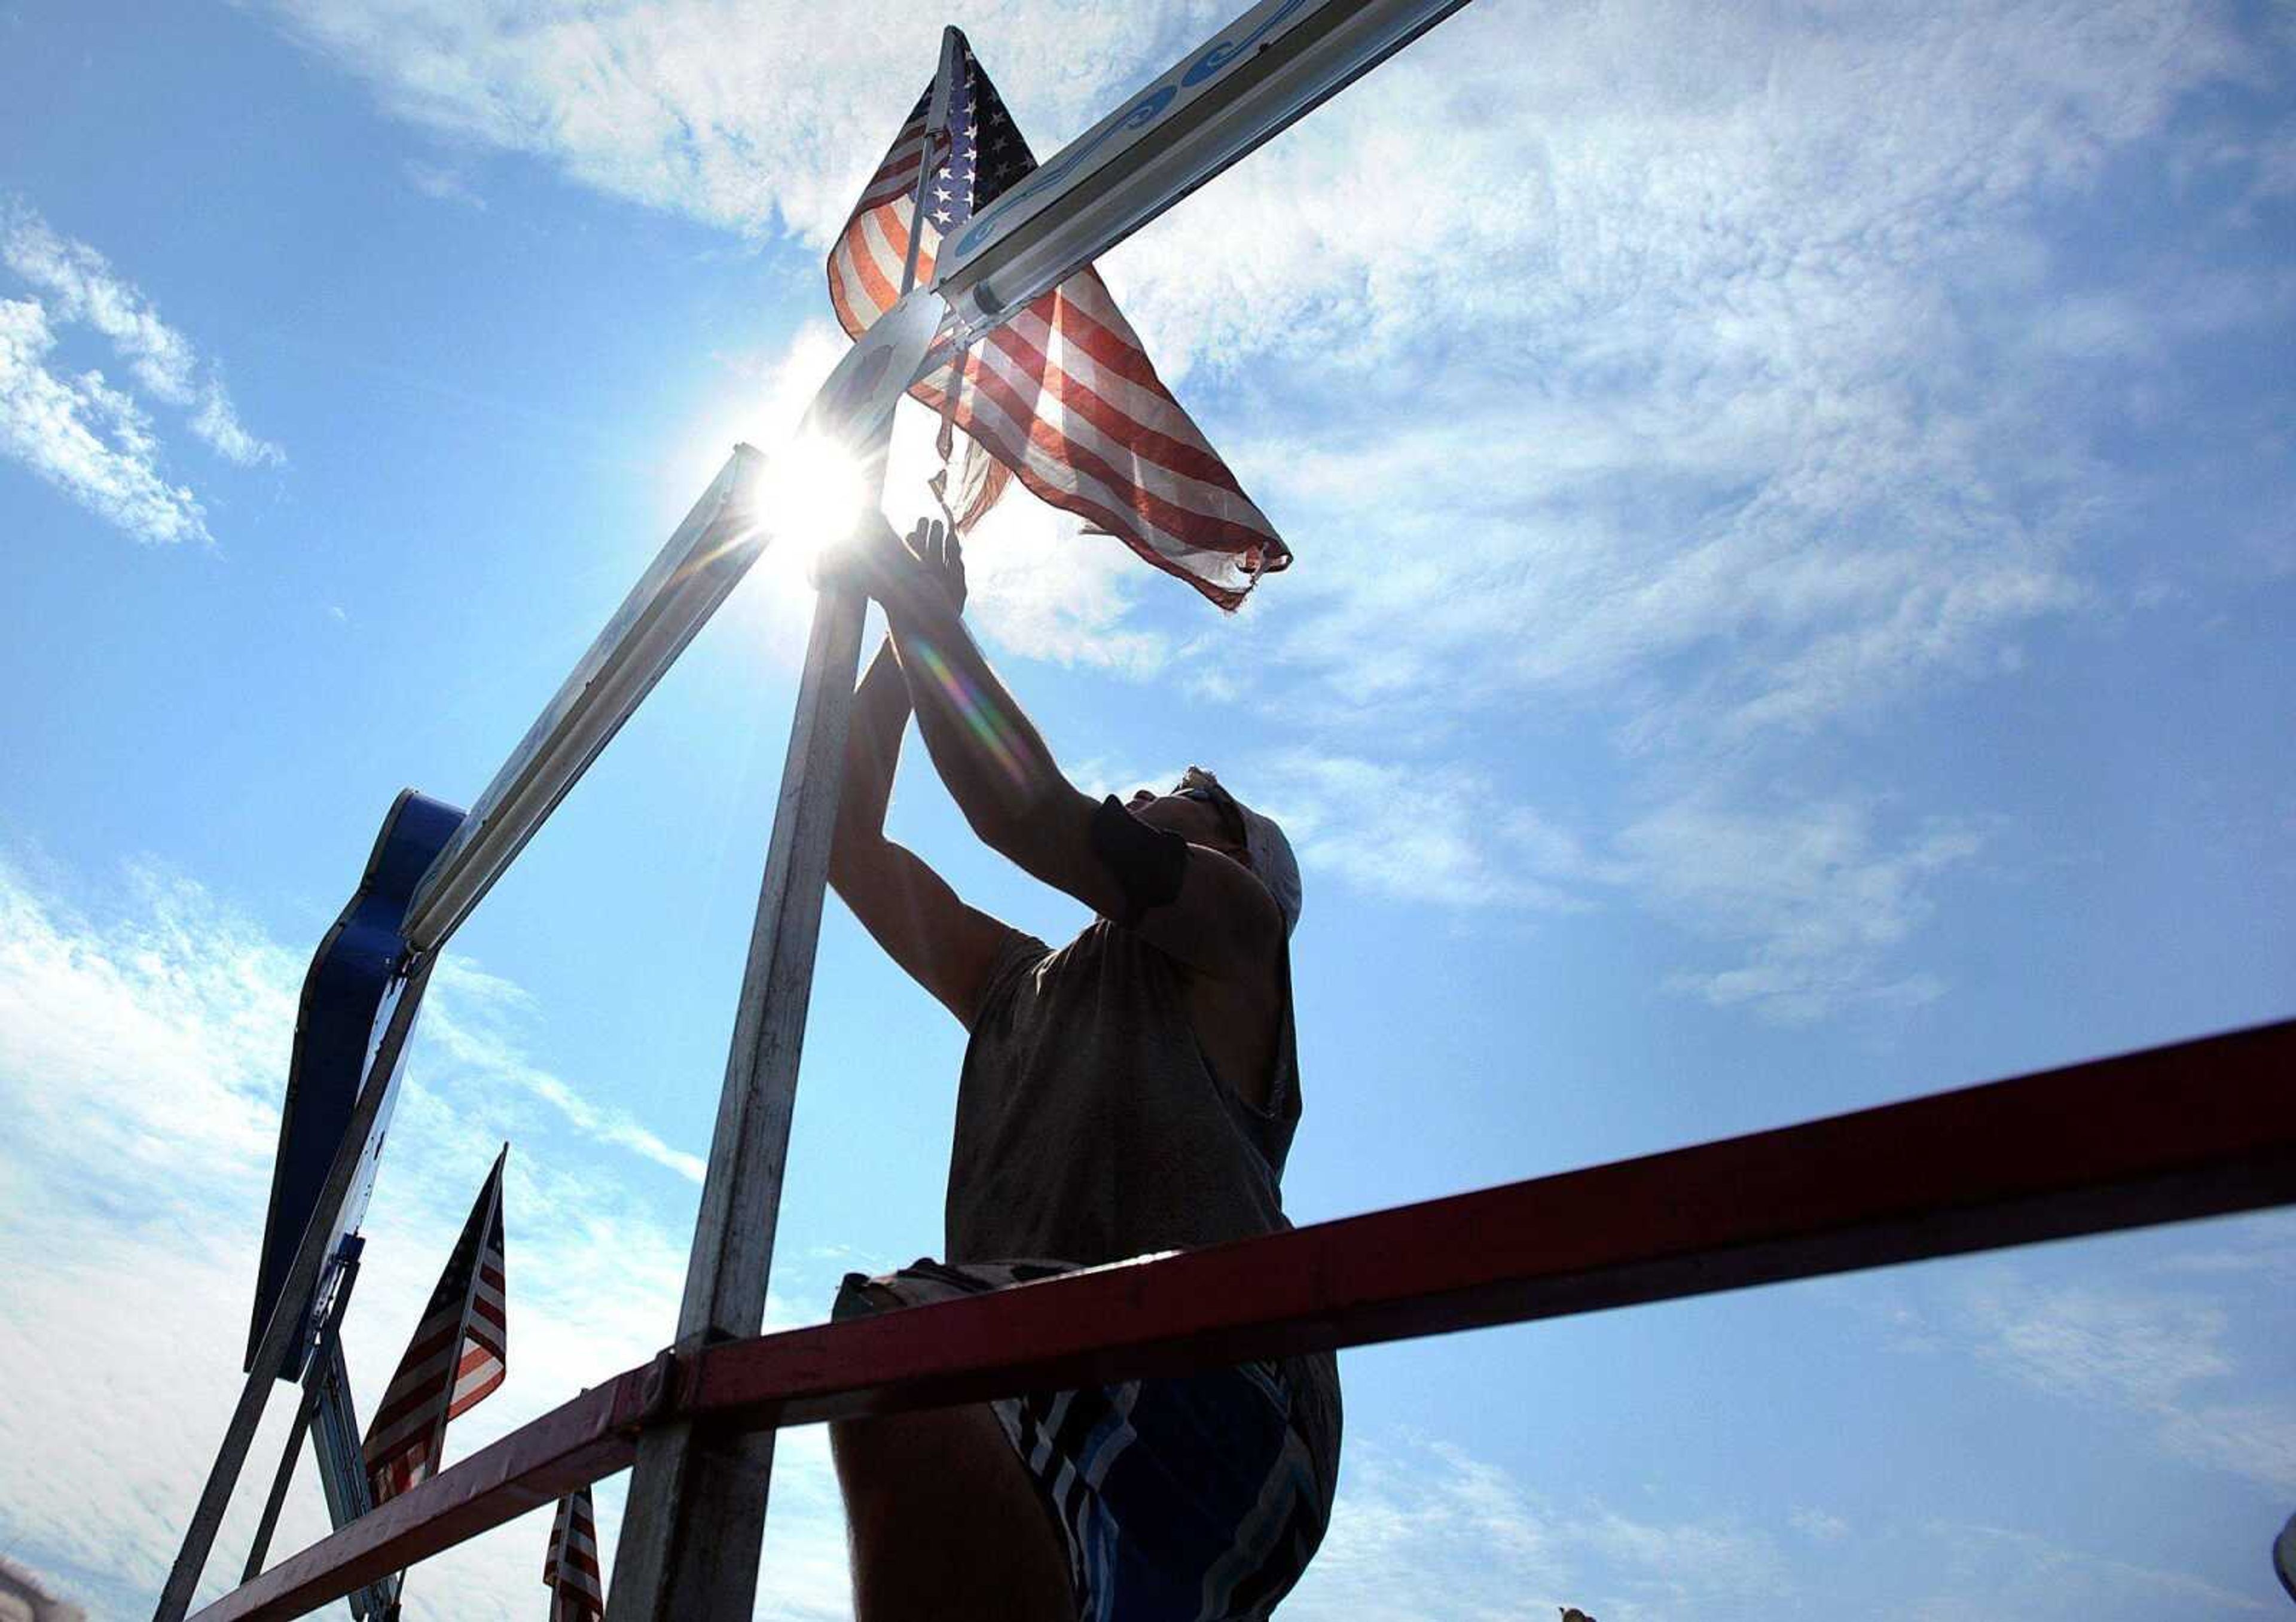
{"points": [[741, 114], [144, 1035], [444, 183], [80, 285], [2163, 1356], [1984, 1570], [1648, 374], [1819, 899], [1438, 834], [1819, 903], [85, 437], [1691, 386], [1043, 587], [1818, 1524], [91, 440], [1422, 1518], [474, 1023]]}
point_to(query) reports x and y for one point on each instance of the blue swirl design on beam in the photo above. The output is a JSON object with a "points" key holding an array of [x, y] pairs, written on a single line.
{"points": [[1208, 63], [1217, 55]]}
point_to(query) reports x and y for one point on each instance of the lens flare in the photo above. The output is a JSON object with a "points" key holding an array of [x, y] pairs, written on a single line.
{"points": [[988, 723]]}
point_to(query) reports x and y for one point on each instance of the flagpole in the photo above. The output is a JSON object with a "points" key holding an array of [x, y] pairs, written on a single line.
{"points": [[694, 1522], [395, 1585]]}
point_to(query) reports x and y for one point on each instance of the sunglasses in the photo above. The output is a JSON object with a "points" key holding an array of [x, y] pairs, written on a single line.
{"points": [[1231, 818]]}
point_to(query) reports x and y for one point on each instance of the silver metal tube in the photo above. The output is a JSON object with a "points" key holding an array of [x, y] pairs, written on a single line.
{"points": [[703, 561], [696, 1512], [1240, 88]]}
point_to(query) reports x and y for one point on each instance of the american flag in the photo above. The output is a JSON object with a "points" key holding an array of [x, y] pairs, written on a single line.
{"points": [[570, 1568], [1063, 394], [458, 1355]]}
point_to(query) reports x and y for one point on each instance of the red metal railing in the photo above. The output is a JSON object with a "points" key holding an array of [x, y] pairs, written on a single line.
{"points": [[2198, 1129]]}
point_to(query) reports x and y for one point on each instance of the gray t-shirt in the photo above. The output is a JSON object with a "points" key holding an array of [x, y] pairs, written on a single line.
{"points": [[1090, 1128]]}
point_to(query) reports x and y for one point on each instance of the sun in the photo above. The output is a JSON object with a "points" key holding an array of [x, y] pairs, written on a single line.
{"points": [[809, 496]]}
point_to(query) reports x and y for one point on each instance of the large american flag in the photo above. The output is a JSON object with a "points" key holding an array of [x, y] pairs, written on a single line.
{"points": [[571, 1566], [458, 1357], [1063, 394]]}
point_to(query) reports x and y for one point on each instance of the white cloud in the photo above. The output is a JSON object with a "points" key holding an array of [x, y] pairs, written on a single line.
{"points": [[1043, 587], [1723, 377], [1818, 1524], [2163, 1357], [86, 437], [1424, 1528], [1821, 903], [1693, 385], [473, 1023], [745, 115], [443, 181], [142, 1047], [1996, 1571], [1647, 362], [1425, 833], [81, 286]]}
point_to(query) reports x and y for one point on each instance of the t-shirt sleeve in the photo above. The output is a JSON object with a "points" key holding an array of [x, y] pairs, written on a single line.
{"points": [[1018, 953]]}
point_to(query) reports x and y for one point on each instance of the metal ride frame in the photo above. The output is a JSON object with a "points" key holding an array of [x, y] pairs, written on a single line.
{"points": [[2201, 1128]]}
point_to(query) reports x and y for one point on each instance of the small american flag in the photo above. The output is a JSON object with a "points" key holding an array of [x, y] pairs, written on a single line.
{"points": [[458, 1355], [1063, 394], [570, 1568]]}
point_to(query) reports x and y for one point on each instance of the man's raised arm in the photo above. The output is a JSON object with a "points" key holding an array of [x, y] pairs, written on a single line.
{"points": [[946, 946], [1211, 915]]}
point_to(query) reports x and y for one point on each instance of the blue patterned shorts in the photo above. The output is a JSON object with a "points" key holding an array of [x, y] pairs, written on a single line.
{"points": [[1184, 1500]]}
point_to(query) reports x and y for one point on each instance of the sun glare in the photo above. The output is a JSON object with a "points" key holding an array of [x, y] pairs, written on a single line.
{"points": [[811, 493]]}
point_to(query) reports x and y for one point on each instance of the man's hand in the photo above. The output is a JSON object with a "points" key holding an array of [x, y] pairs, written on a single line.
{"points": [[926, 571]]}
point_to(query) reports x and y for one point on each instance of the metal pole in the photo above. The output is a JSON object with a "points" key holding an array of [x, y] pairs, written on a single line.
{"points": [[695, 1520], [314, 1381], [286, 1319], [696, 1514]]}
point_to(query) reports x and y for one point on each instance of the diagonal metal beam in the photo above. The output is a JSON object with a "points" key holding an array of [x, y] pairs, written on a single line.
{"points": [[287, 1322], [2198, 1129]]}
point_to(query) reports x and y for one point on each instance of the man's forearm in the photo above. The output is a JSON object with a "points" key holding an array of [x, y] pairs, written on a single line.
{"points": [[988, 753]]}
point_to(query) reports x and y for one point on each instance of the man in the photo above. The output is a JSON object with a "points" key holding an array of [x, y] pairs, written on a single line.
{"points": [[1134, 1090]]}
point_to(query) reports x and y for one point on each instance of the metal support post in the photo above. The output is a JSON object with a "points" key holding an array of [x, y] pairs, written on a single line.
{"points": [[695, 1520], [697, 1504]]}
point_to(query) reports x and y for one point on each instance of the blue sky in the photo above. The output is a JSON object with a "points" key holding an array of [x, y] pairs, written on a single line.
{"points": [[1792, 514]]}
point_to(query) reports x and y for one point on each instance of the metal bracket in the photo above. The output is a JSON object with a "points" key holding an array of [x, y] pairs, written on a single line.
{"points": [[658, 1397]]}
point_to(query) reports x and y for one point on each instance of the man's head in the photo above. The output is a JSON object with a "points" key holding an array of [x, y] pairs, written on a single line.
{"points": [[1203, 812]]}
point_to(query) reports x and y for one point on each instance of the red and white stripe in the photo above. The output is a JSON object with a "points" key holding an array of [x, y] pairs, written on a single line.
{"points": [[459, 1356], [570, 1567], [1064, 395]]}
